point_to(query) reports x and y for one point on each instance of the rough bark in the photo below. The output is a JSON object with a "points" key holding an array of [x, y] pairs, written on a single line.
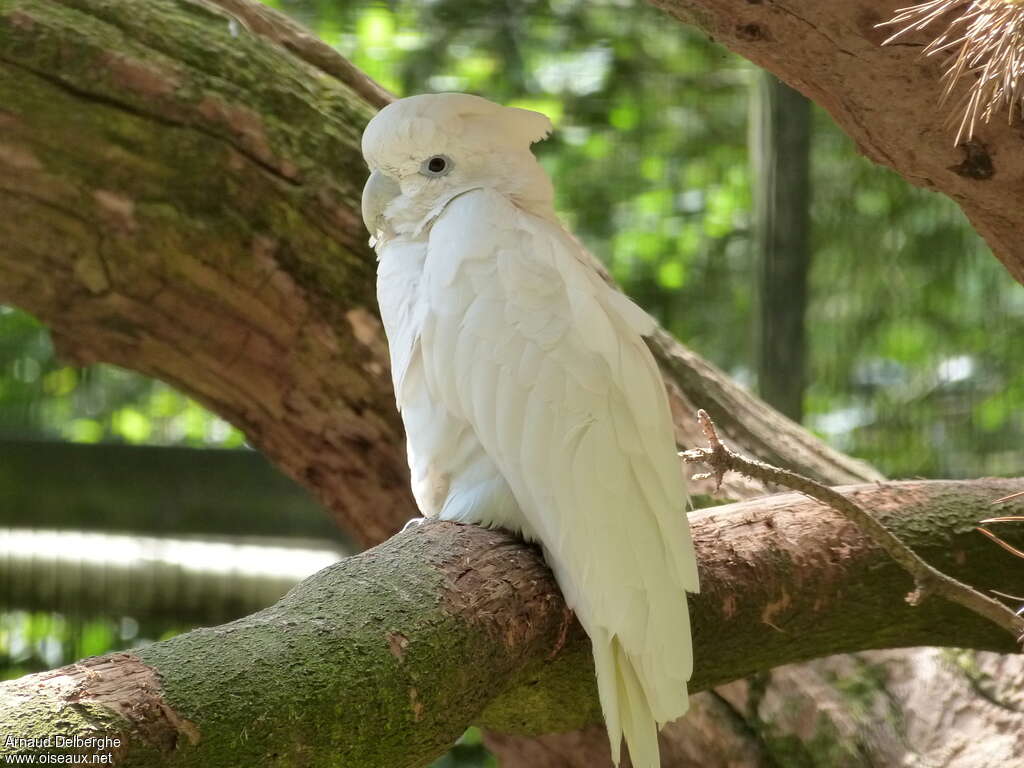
{"points": [[356, 662], [934, 707], [884, 97], [197, 220]]}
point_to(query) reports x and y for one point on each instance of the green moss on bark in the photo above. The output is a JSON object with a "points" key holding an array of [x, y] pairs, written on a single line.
{"points": [[357, 676]]}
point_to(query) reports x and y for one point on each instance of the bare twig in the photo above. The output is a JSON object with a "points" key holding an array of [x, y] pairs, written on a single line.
{"points": [[1008, 596], [928, 580], [1004, 544], [1016, 495]]}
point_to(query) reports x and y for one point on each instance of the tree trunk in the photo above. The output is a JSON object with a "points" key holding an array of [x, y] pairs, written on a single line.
{"points": [[781, 127], [366, 660]]}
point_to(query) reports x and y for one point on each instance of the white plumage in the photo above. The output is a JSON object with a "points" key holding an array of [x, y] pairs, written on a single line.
{"points": [[529, 398]]}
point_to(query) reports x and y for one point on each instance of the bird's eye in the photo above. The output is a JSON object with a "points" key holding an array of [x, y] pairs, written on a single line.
{"points": [[435, 166]]}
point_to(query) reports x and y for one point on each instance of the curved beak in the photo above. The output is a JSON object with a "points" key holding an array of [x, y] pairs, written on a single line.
{"points": [[380, 190]]}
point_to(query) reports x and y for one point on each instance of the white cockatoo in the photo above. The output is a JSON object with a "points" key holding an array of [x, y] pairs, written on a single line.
{"points": [[529, 398]]}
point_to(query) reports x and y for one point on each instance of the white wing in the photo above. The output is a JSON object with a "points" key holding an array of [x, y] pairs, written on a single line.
{"points": [[522, 340], [452, 476]]}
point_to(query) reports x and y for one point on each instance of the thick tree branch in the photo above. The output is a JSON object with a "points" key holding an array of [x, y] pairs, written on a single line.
{"points": [[197, 220], [928, 580], [366, 661], [885, 98]]}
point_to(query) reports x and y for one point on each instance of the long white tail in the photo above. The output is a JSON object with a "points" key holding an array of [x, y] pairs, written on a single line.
{"points": [[634, 704]]}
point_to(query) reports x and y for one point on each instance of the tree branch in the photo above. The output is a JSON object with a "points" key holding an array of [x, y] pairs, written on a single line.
{"points": [[886, 99], [927, 580], [367, 659]]}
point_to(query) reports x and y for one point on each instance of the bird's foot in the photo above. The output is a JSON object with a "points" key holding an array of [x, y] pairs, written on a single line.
{"points": [[414, 522]]}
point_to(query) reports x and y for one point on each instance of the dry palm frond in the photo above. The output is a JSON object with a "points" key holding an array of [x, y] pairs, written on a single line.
{"points": [[1005, 545], [1012, 496], [984, 40], [1008, 596]]}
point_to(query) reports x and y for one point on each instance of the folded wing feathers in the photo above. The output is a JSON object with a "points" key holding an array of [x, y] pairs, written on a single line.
{"points": [[545, 362]]}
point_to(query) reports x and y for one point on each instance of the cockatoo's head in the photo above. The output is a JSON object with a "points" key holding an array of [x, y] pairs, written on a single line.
{"points": [[424, 151]]}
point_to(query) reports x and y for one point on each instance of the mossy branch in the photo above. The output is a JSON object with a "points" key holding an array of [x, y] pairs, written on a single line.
{"points": [[384, 658]]}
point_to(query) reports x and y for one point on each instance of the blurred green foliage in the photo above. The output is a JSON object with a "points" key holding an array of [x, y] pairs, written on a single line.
{"points": [[40, 397], [468, 752], [32, 641]]}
